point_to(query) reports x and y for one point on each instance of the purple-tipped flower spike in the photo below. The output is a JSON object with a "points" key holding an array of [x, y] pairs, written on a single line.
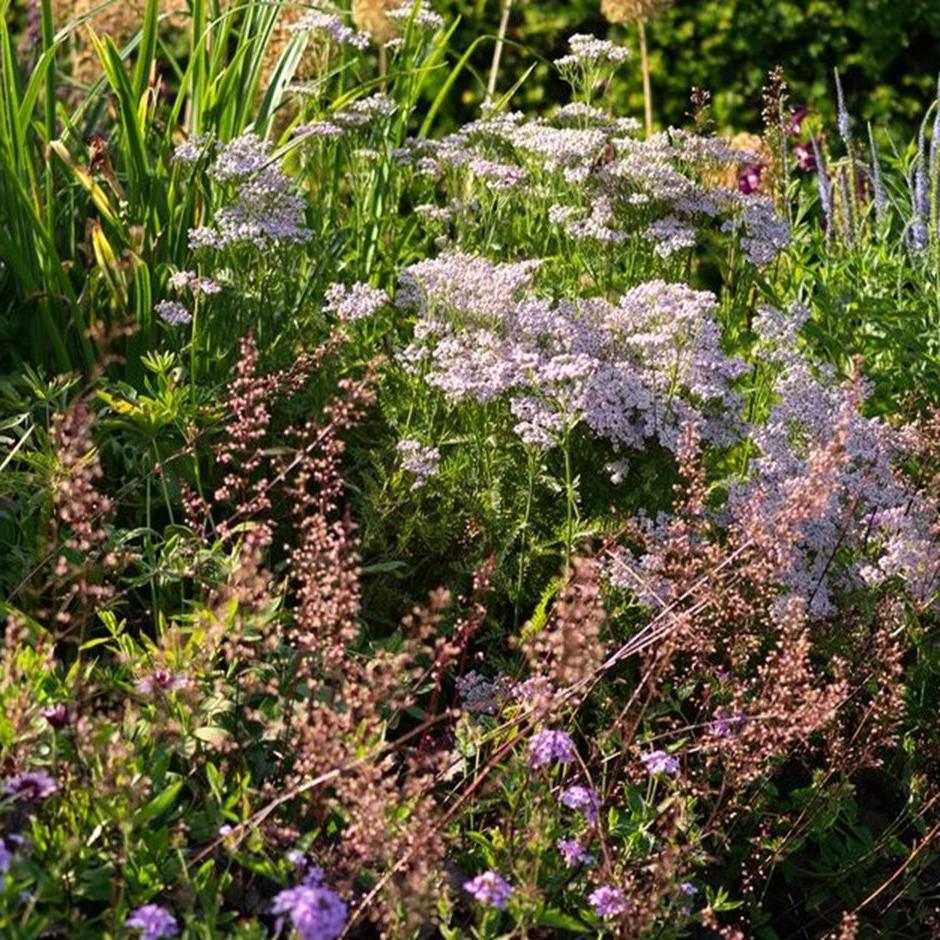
{"points": [[935, 136], [489, 889], [822, 180], [153, 922], [845, 122], [551, 747], [877, 183]]}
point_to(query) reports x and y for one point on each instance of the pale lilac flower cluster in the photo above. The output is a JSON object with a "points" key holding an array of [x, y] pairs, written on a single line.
{"points": [[420, 460], [587, 50], [670, 235], [266, 211], [631, 371], [489, 889], [189, 280], [172, 312], [331, 25], [551, 747], [325, 130], [419, 14], [364, 112], [152, 922], [358, 302], [194, 149]]}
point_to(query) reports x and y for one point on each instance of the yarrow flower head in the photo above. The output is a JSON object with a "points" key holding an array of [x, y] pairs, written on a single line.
{"points": [[419, 460], [314, 911], [608, 901], [357, 302], [31, 785], [172, 312], [582, 799], [153, 922], [574, 853], [659, 762], [490, 889], [551, 747]]}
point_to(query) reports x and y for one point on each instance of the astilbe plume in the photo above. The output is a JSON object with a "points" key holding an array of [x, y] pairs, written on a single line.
{"points": [[568, 649], [80, 514]]}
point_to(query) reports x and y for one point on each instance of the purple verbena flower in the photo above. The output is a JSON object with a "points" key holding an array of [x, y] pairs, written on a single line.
{"points": [[490, 889], [574, 853], [583, 799], [153, 922], [31, 785], [315, 912], [608, 901], [659, 762], [548, 747]]}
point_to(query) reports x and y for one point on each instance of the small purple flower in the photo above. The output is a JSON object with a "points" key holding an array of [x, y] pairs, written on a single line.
{"points": [[608, 901], [749, 178], [172, 312], [56, 715], [490, 889], [659, 762], [583, 799], [153, 922], [6, 860], [688, 888], [161, 680], [548, 747], [358, 302], [574, 853], [315, 912], [726, 725], [32, 785]]}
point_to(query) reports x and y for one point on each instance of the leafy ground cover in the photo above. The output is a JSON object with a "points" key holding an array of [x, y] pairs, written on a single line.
{"points": [[524, 527]]}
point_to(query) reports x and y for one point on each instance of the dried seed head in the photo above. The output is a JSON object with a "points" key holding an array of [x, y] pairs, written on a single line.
{"points": [[632, 11]]}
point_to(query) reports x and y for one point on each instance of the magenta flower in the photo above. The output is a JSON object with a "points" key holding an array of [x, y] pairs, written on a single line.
{"points": [[32, 785], [56, 715], [749, 178], [659, 762], [795, 124], [161, 680], [489, 889], [153, 922], [805, 156], [551, 747], [608, 901]]}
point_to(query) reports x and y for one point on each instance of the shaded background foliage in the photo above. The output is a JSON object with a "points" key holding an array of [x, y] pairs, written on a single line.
{"points": [[888, 54]]}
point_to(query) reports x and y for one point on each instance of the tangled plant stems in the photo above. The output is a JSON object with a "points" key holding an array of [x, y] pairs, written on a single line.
{"points": [[416, 527]]}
